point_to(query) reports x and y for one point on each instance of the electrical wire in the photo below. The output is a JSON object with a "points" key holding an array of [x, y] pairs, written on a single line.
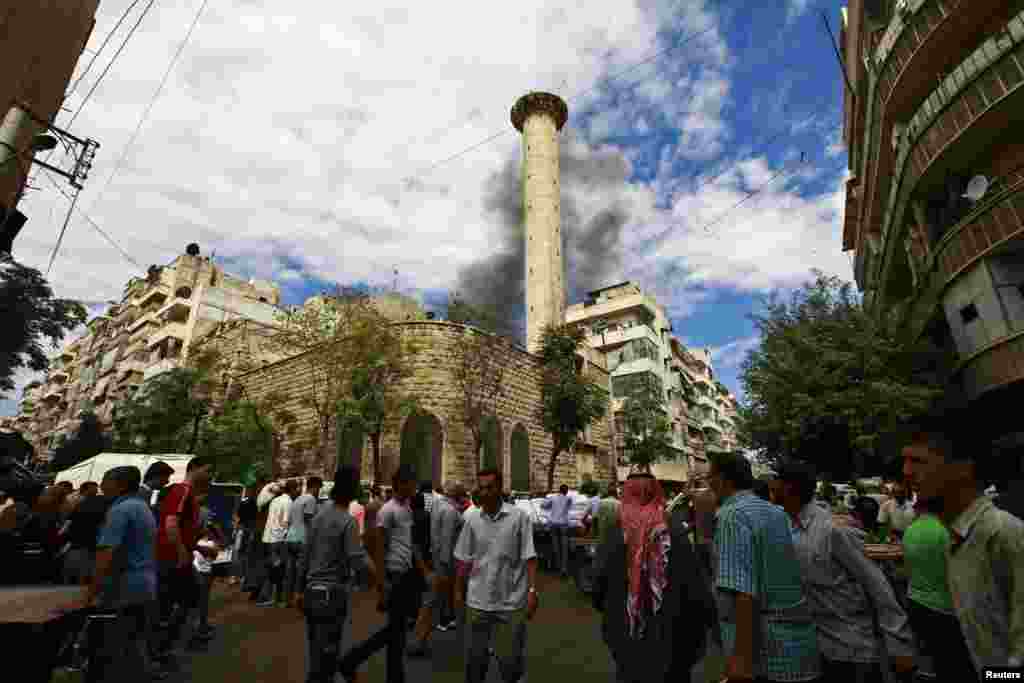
{"points": [[98, 52], [505, 131], [113, 60], [152, 100], [63, 229]]}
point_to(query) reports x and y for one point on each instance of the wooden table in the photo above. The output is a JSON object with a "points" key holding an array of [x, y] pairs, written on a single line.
{"points": [[34, 625]]}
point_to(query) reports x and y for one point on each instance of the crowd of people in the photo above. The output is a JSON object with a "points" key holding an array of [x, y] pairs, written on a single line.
{"points": [[779, 580]]}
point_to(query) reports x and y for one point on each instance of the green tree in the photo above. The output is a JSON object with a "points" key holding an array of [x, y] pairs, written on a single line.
{"points": [[165, 414], [828, 382], [326, 332], [570, 399], [31, 315], [380, 364], [242, 436], [648, 437], [89, 440], [478, 359]]}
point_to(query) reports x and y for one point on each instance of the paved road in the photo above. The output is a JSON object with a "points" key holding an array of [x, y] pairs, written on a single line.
{"points": [[268, 644]]}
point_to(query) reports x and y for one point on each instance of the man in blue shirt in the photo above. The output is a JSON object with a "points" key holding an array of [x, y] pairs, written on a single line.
{"points": [[124, 584], [559, 524], [768, 632]]}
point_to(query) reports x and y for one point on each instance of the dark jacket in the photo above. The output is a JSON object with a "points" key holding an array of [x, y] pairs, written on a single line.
{"points": [[676, 636]]}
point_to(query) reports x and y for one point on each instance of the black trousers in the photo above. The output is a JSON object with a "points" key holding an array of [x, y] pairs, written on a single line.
{"points": [[325, 626], [178, 593], [943, 641], [402, 604]]}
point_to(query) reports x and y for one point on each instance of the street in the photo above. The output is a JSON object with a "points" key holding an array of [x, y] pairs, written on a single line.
{"points": [[256, 643]]}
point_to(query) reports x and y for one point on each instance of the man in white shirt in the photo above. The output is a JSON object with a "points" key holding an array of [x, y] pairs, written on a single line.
{"points": [[274, 537], [898, 512], [496, 566], [559, 505]]}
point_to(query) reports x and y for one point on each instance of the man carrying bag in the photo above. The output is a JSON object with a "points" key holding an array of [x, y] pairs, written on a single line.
{"points": [[335, 560]]}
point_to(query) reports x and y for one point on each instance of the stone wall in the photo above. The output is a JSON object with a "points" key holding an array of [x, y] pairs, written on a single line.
{"points": [[432, 384]]}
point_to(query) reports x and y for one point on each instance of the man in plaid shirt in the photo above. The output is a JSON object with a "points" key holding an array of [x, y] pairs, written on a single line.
{"points": [[768, 632]]}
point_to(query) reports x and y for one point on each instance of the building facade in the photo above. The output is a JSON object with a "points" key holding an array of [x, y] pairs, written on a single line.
{"points": [[151, 330], [934, 204], [632, 330], [436, 441]]}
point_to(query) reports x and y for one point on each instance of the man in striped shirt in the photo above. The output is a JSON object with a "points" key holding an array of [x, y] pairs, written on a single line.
{"points": [[768, 633]]}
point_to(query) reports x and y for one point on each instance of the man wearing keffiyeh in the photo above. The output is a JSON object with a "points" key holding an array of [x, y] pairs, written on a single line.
{"points": [[647, 581]]}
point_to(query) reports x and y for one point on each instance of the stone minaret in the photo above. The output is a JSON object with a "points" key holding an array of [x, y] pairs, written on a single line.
{"points": [[539, 117]]}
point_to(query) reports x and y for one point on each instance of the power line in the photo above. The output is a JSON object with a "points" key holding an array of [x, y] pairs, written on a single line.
{"points": [[85, 100], [63, 229], [506, 130], [97, 53], [152, 101]]}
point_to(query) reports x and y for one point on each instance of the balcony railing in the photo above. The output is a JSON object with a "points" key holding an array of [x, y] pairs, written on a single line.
{"points": [[167, 331], [622, 335], [996, 365], [976, 88]]}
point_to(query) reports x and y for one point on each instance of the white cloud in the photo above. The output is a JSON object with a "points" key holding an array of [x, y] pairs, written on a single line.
{"points": [[732, 354], [794, 8], [284, 135]]}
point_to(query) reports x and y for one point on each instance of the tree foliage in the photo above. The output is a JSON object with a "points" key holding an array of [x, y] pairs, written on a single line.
{"points": [[380, 363], [164, 414], [89, 440], [478, 359], [570, 400], [829, 382], [328, 332], [648, 429], [31, 316], [242, 437]]}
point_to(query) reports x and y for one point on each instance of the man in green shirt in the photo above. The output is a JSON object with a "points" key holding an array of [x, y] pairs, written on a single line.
{"points": [[930, 605]]}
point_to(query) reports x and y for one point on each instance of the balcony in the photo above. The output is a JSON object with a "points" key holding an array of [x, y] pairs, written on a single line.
{"points": [[160, 367], [59, 375], [999, 364], [147, 318], [614, 337], [167, 331], [959, 121], [177, 310], [156, 294]]}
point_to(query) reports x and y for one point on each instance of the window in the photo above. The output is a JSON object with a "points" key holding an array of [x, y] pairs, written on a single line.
{"points": [[624, 386], [969, 314]]}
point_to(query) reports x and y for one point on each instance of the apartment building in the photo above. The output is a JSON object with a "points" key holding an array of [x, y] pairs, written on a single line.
{"points": [[632, 330], [935, 201], [150, 331]]}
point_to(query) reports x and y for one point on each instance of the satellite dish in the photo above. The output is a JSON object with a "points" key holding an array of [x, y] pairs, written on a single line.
{"points": [[977, 188]]}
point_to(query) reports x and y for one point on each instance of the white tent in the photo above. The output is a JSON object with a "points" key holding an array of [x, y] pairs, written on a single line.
{"points": [[94, 468]]}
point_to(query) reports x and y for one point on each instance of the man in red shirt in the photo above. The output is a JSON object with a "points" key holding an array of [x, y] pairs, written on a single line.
{"points": [[177, 535]]}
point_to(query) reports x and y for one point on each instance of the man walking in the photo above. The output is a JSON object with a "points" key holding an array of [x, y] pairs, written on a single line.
{"points": [[768, 633], [177, 535], [846, 591], [497, 572], [445, 525], [274, 537], [124, 582], [301, 514], [558, 507], [986, 559], [336, 562], [398, 591]]}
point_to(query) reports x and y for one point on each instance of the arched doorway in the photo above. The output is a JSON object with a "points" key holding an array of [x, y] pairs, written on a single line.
{"points": [[350, 444], [520, 460], [422, 447], [491, 455]]}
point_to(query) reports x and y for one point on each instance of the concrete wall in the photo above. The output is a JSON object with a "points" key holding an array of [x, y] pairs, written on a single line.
{"points": [[433, 385]]}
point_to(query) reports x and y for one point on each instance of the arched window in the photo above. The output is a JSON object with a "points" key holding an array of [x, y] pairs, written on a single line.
{"points": [[520, 475], [492, 453], [422, 447]]}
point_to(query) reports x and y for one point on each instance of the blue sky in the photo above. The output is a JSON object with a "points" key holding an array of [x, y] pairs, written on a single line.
{"points": [[285, 135]]}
